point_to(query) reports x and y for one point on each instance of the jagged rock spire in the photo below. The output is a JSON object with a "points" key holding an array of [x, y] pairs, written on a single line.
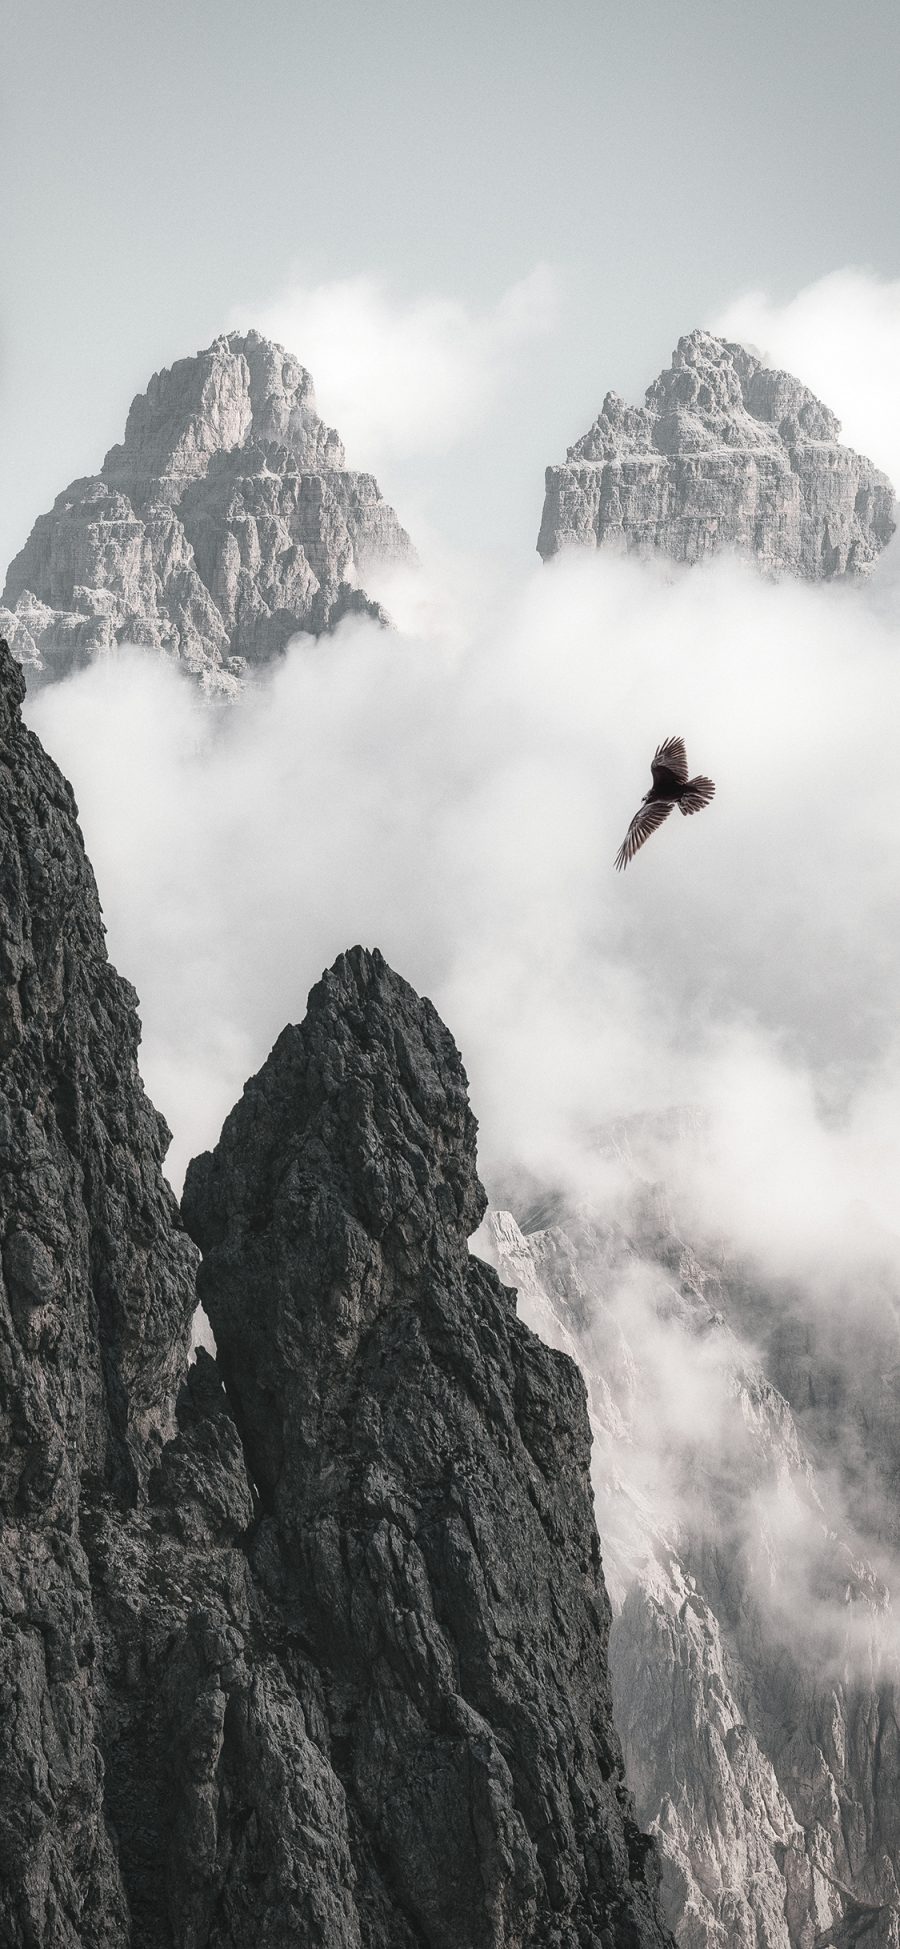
{"points": [[423, 1468]]}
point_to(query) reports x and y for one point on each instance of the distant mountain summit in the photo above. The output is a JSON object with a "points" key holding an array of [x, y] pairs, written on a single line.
{"points": [[225, 522], [725, 453]]}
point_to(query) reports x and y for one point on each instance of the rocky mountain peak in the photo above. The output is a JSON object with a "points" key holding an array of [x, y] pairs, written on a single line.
{"points": [[242, 391], [371, 1063], [715, 390], [361, 1116], [422, 1464], [224, 523], [725, 453]]}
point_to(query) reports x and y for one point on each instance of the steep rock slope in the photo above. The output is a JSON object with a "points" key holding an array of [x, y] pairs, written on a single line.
{"points": [[753, 1652], [422, 1466], [725, 453], [225, 522], [96, 1296], [329, 1668]]}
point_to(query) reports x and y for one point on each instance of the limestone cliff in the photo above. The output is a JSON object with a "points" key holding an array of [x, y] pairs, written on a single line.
{"points": [[725, 453], [225, 522], [320, 1659], [753, 1651]]}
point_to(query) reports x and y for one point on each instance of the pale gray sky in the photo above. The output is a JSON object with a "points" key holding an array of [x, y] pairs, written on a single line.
{"points": [[173, 166]]}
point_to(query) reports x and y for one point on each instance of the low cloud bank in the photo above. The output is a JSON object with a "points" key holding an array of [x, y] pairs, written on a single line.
{"points": [[458, 799]]}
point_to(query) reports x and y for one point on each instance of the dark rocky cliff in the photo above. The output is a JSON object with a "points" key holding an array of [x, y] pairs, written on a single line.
{"points": [[96, 1298], [422, 1463], [320, 1660]]}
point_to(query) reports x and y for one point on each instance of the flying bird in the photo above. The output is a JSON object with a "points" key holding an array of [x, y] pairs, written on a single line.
{"points": [[671, 786]]}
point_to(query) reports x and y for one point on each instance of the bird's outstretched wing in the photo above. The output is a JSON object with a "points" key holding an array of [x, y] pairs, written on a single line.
{"points": [[670, 757], [644, 822]]}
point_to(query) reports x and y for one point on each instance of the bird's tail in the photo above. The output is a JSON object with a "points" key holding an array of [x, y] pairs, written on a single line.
{"points": [[698, 794]]}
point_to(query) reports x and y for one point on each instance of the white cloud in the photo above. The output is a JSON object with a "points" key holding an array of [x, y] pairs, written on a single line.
{"points": [[458, 800], [406, 376], [841, 336]]}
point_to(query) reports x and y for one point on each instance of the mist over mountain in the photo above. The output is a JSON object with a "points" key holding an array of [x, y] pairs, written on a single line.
{"points": [[415, 1536], [688, 1091], [745, 1409], [306, 1643], [751, 1558]]}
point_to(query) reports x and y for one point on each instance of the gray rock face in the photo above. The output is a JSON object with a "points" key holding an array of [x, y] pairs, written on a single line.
{"points": [[752, 1651], [96, 1296], [422, 1465], [324, 1663], [224, 523], [725, 453]]}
